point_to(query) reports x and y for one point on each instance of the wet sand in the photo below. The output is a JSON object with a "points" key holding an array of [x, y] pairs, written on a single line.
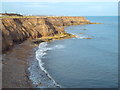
{"points": [[15, 66]]}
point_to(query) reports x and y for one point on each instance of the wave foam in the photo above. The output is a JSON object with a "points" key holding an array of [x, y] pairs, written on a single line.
{"points": [[58, 46], [80, 37], [83, 36], [39, 54]]}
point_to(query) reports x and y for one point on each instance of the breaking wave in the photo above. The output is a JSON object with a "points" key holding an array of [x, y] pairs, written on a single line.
{"points": [[39, 76], [39, 54]]}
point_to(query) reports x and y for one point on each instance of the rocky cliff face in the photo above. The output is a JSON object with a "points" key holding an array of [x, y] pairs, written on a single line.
{"points": [[16, 30]]}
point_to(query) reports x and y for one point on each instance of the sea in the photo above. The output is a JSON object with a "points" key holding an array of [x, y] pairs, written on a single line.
{"points": [[88, 61]]}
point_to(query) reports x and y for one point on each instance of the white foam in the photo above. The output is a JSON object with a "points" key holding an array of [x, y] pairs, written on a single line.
{"points": [[83, 36], [58, 46], [39, 54], [80, 37]]}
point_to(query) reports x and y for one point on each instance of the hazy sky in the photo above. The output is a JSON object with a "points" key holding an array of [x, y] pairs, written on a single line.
{"points": [[62, 8], [60, 0]]}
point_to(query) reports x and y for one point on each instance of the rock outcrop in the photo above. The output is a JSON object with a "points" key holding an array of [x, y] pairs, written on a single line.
{"points": [[16, 30]]}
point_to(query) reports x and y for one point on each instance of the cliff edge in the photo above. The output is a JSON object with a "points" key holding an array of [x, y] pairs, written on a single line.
{"points": [[17, 30]]}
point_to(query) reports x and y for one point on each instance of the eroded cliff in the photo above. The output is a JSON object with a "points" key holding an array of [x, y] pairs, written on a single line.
{"points": [[16, 30]]}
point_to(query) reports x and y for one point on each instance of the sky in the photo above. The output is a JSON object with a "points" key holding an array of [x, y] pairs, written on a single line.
{"points": [[60, 0], [62, 7]]}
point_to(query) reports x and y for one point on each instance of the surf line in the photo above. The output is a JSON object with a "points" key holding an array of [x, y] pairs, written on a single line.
{"points": [[39, 54]]}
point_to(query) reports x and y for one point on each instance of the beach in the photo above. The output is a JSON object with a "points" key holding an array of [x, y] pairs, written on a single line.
{"points": [[15, 66]]}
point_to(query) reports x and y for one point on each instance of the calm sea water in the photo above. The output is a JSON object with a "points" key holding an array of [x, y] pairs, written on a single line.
{"points": [[84, 63]]}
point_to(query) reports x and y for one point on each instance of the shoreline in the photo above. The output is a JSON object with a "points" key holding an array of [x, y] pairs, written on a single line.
{"points": [[15, 59], [21, 56], [39, 76]]}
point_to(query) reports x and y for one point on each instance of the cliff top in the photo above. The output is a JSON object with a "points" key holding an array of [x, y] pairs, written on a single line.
{"points": [[14, 15]]}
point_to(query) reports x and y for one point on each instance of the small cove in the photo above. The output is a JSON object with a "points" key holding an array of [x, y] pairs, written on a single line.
{"points": [[85, 63]]}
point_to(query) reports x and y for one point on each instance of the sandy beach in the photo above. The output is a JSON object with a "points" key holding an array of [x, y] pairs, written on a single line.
{"points": [[15, 65]]}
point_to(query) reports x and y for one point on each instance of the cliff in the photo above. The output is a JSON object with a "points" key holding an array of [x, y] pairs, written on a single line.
{"points": [[16, 30]]}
